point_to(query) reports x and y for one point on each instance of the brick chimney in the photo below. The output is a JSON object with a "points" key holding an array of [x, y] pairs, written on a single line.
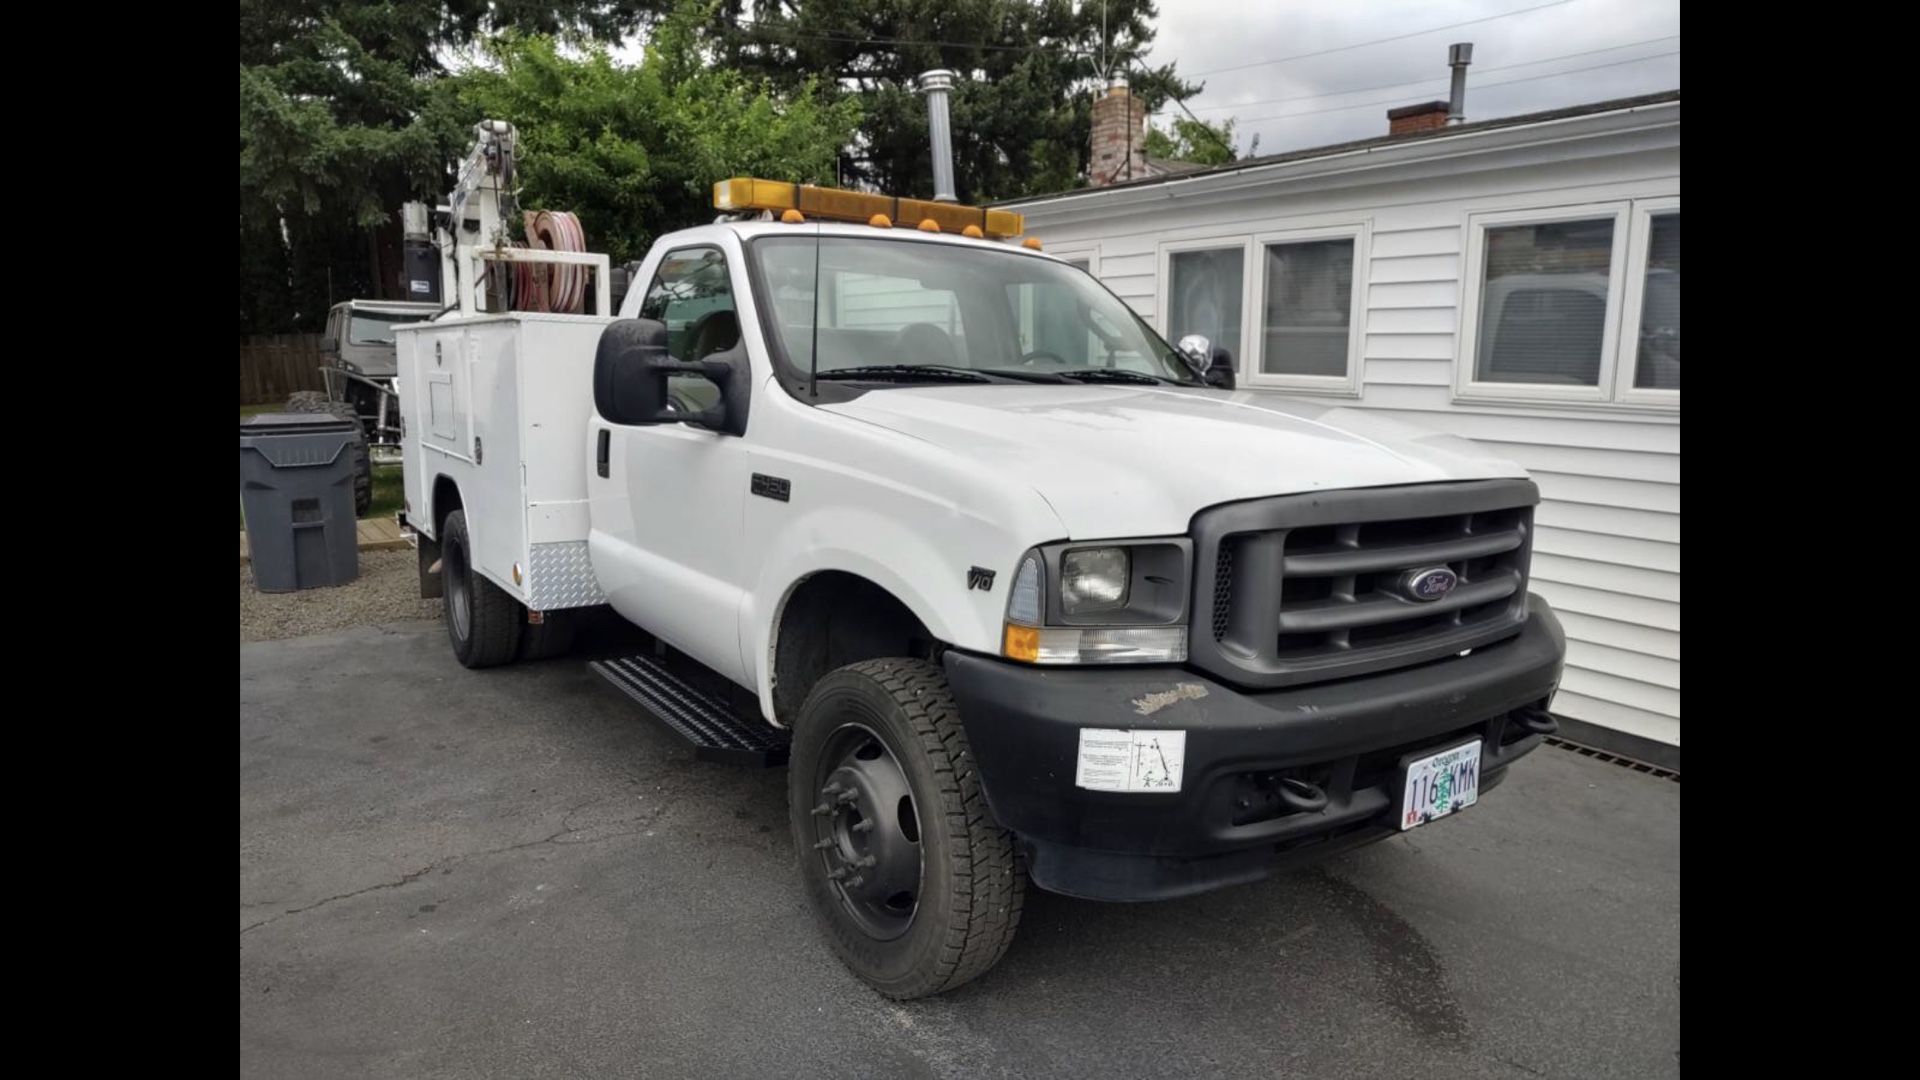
{"points": [[1119, 137], [1407, 119]]}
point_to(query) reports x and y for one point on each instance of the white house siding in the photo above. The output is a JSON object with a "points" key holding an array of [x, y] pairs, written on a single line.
{"points": [[1607, 549]]}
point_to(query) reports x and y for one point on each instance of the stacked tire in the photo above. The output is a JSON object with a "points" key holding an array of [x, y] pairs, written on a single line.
{"points": [[313, 401]]}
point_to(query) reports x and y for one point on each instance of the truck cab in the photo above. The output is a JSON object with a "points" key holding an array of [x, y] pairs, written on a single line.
{"points": [[359, 334], [1021, 598]]}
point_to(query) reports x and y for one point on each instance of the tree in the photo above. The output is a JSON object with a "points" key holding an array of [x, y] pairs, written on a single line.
{"points": [[1021, 109], [636, 150], [1194, 141], [332, 134]]}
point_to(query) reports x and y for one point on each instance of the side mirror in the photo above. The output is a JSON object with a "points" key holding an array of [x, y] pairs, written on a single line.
{"points": [[1197, 351], [1219, 372], [630, 370]]}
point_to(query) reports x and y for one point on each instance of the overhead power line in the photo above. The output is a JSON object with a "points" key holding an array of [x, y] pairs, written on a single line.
{"points": [[1481, 86], [1436, 78], [1377, 41]]}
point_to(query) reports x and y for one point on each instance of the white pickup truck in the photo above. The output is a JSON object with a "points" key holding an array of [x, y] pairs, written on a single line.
{"points": [[1017, 595]]}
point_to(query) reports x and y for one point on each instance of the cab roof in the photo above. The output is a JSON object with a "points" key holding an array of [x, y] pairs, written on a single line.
{"points": [[751, 229]]}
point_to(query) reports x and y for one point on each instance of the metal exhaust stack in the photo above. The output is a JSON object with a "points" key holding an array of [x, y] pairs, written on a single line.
{"points": [[1458, 57], [935, 85]]}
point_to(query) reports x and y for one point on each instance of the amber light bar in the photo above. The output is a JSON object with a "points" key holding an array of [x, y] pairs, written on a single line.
{"points": [[833, 204]]}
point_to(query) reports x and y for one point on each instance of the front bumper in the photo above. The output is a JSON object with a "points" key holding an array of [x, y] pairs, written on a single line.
{"points": [[1225, 825]]}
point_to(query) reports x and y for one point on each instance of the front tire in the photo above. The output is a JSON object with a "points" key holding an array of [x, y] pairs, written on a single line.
{"points": [[483, 622], [915, 888]]}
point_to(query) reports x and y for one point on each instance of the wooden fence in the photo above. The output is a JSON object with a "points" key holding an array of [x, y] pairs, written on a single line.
{"points": [[273, 366]]}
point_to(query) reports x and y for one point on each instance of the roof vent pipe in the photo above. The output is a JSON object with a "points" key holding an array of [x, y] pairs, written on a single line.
{"points": [[1458, 57], [935, 84]]}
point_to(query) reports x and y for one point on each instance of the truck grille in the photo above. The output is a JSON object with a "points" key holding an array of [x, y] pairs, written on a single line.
{"points": [[1305, 588]]}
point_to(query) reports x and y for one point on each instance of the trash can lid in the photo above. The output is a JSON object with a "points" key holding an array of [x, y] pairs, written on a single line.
{"points": [[294, 424]]}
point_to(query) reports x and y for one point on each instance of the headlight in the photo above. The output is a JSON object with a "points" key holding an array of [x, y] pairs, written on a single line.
{"points": [[1094, 579], [1114, 603]]}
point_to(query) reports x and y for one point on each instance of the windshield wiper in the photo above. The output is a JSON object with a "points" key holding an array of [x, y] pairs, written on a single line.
{"points": [[905, 373], [1116, 375]]}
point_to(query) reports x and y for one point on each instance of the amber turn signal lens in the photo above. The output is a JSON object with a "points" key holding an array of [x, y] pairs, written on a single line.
{"points": [[792, 217], [1021, 643], [1031, 243]]}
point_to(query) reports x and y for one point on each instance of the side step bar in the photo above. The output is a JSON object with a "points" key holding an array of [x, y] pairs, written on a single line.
{"points": [[717, 732]]}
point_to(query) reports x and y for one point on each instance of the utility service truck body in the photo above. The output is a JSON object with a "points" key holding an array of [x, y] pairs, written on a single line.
{"points": [[1028, 597]]}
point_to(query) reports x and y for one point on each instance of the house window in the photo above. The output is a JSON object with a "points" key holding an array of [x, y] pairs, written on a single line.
{"points": [[1577, 304], [1658, 365], [1204, 291], [1543, 304], [1306, 322]]}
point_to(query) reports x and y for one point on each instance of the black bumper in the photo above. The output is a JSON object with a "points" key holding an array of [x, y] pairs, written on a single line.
{"points": [[1229, 822]]}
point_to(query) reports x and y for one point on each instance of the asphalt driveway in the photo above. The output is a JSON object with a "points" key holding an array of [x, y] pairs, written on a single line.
{"points": [[513, 873]]}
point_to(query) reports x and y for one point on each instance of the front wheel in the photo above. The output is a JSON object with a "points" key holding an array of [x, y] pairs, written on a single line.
{"points": [[915, 887]]}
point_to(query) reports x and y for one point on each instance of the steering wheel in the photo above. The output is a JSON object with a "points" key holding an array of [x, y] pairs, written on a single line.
{"points": [[1027, 359]]}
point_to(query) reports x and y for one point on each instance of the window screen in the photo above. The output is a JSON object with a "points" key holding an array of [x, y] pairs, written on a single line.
{"points": [[1308, 317], [1203, 296], [1543, 304], [1658, 366]]}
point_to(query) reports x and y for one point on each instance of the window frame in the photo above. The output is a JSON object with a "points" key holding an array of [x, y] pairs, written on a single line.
{"points": [[1163, 285], [1633, 299], [1473, 285], [1090, 252], [1252, 365]]}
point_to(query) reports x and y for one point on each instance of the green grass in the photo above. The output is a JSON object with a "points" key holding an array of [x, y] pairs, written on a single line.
{"points": [[256, 410], [389, 492]]}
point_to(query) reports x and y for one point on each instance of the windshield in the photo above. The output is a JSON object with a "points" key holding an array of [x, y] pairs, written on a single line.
{"points": [[376, 327], [904, 304]]}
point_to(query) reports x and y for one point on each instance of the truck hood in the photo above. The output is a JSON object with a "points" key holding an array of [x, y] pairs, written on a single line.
{"points": [[1119, 461]]}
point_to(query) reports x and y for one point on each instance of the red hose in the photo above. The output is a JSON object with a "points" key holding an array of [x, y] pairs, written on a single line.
{"points": [[548, 286]]}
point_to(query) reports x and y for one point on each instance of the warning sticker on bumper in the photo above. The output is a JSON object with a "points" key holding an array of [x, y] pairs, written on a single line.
{"points": [[1136, 761]]}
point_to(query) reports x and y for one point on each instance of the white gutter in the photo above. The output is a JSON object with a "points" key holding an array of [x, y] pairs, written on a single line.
{"points": [[1379, 156]]}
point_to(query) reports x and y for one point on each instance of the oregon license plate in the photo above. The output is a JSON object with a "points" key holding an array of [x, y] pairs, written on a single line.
{"points": [[1439, 784]]}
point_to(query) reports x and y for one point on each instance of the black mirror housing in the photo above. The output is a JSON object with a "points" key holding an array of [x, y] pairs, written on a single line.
{"points": [[630, 369]]}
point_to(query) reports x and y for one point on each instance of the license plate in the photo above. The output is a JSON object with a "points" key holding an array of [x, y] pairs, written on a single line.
{"points": [[1439, 784]]}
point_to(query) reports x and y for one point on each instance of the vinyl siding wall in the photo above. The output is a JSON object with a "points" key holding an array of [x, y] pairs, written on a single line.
{"points": [[1607, 549]]}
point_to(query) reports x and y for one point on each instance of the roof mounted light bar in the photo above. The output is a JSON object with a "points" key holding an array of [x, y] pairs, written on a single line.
{"points": [[745, 194]]}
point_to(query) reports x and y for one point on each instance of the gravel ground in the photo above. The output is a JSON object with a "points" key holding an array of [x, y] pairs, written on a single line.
{"points": [[388, 590]]}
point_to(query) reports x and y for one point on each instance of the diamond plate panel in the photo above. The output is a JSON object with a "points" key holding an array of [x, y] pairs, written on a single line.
{"points": [[561, 576]]}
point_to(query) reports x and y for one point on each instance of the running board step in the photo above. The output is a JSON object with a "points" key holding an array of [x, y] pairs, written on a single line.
{"points": [[717, 732]]}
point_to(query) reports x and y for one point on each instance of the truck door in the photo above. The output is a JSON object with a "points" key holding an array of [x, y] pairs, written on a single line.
{"points": [[667, 517]]}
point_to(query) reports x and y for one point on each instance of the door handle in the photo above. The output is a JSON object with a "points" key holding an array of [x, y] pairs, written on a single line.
{"points": [[600, 452]]}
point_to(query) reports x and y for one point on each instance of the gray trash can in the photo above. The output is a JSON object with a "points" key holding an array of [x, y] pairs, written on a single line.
{"points": [[296, 490]]}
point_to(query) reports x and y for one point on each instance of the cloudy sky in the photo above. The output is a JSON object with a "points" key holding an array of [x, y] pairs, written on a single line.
{"points": [[1527, 55], [1302, 73]]}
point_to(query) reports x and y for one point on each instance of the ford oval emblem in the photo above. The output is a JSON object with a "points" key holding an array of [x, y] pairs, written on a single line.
{"points": [[1429, 584]]}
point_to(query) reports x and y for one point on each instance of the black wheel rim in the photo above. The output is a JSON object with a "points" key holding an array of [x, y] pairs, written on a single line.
{"points": [[458, 613], [866, 831]]}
